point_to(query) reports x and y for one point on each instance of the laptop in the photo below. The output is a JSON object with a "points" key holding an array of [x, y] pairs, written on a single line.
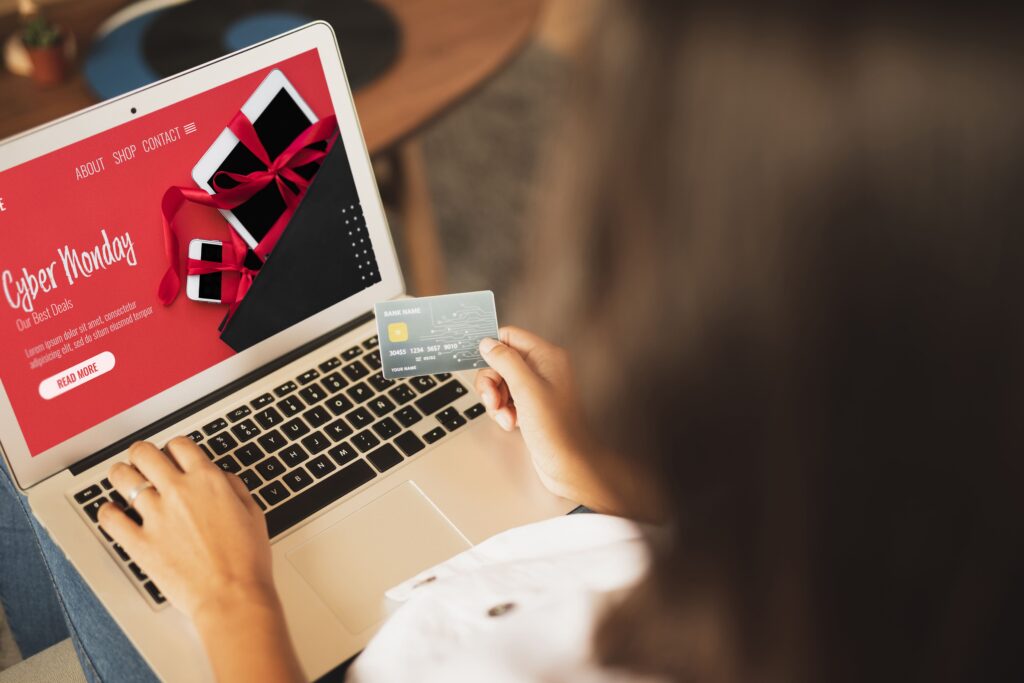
{"points": [[364, 481]]}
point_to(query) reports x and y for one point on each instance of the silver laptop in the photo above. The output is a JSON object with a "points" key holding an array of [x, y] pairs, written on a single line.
{"points": [[364, 481]]}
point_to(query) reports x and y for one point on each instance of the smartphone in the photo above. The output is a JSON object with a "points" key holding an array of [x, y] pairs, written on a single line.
{"points": [[205, 287], [279, 115]]}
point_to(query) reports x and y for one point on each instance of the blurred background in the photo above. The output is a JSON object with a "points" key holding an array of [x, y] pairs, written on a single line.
{"points": [[455, 98]]}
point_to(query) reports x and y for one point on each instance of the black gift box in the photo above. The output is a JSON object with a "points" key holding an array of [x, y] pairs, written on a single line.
{"points": [[323, 256]]}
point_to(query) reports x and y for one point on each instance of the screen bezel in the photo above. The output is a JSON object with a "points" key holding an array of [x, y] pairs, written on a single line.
{"points": [[28, 470]]}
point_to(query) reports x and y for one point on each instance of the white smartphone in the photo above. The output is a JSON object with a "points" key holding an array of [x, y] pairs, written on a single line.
{"points": [[205, 287], [279, 115]]}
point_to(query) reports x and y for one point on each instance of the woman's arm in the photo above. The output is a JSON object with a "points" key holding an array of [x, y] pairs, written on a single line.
{"points": [[204, 543]]}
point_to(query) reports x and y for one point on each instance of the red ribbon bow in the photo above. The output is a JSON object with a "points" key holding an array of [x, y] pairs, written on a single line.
{"points": [[277, 171]]}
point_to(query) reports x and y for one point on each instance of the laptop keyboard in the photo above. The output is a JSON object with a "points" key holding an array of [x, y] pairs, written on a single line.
{"points": [[313, 440]]}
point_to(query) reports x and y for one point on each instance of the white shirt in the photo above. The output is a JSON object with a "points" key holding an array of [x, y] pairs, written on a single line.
{"points": [[521, 606]]}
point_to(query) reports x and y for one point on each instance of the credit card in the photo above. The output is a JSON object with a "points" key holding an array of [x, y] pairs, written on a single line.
{"points": [[434, 334]]}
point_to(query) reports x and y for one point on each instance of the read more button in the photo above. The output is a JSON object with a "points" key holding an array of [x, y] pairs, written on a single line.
{"points": [[87, 370]]}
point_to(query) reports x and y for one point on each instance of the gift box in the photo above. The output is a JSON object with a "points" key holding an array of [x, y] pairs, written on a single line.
{"points": [[323, 257]]}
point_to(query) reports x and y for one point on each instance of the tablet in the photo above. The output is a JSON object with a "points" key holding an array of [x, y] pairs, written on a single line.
{"points": [[279, 115]]}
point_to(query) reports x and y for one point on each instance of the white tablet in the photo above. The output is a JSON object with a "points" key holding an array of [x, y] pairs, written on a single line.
{"points": [[279, 115]]}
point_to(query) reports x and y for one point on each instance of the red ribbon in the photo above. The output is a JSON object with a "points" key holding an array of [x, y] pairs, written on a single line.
{"points": [[277, 171]]}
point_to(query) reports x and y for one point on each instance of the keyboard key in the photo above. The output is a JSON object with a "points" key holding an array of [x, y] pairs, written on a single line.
{"points": [[408, 416], [137, 571], [238, 413], [475, 411], [334, 382], [351, 353], [250, 479], [330, 489], [222, 443], [298, 480], [381, 406], [263, 506], [270, 468], [423, 384], [355, 371], [378, 382], [434, 435], [365, 440], [387, 428], [272, 441], [261, 401], [207, 451], [245, 430], [308, 376], [215, 426], [409, 443], [359, 392], [371, 343], [447, 414], [134, 515], [248, 454], [285, 389], [359, 418], [317, 416], [105, 535], [119, 500], [338, 430], [338, 404], [343, 454], [291, 405], [316, 442], [229, 464], [373, 360], [454, 423], [274, 493], [402, 393], [87, 494], [268, 418], [196, 436], [293, 429], [293, 455], [385, 457], [93, 509], [329, 364], [154, 592], [443, 376], [440, 397], [321, 466], [313, 394], [106, 484], [121, 552]]}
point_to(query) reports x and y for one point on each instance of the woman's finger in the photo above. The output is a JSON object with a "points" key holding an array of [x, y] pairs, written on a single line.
{"points": [[492, 389], [506, 418], [126, 479], [186, 454], [153, 464], [242, 491], [121, 528]]}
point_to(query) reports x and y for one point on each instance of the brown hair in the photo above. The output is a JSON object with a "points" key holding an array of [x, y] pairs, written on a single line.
{"points": [[784, 247]]}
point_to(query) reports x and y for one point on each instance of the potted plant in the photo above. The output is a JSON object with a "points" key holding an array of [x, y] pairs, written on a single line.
{"points": [[44, 42]]}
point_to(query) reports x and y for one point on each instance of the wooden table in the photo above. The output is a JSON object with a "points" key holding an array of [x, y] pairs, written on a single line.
{"points": [[450, 47]]}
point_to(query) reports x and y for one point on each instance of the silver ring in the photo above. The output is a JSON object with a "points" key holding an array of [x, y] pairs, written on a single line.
{"points": [[136, 491]]}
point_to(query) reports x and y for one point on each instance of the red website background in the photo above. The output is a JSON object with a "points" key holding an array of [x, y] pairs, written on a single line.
{"points": [[47, 208]]}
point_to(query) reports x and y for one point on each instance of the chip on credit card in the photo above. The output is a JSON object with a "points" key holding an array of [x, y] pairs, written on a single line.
{"points": [[434, 334]]}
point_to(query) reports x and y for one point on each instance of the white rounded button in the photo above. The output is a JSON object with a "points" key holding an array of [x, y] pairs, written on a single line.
{"points": [[86, 371]]}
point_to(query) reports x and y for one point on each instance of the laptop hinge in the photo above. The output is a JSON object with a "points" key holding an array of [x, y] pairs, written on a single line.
{"points": [[211, 398]]}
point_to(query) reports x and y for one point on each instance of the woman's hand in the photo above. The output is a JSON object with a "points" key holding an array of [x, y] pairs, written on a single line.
{"points": [[530, 385], [204, 542], [203, 537]]}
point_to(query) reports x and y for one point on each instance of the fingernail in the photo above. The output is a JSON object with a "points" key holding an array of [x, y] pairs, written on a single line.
{"points": [[505, 421], [489, 398], [486, 344]]}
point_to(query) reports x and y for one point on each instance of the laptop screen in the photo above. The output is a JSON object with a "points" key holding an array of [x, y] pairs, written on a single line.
{"points": [[93, 321]]}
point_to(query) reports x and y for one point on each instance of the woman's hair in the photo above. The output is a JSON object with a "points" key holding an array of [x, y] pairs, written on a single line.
{"points": [[785, 247]]}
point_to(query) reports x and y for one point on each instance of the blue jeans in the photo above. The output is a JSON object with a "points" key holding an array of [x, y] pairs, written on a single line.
{"points": [[46, 600]]}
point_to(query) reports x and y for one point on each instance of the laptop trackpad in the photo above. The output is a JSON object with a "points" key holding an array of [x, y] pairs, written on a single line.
{"points": [[351, 563]]}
